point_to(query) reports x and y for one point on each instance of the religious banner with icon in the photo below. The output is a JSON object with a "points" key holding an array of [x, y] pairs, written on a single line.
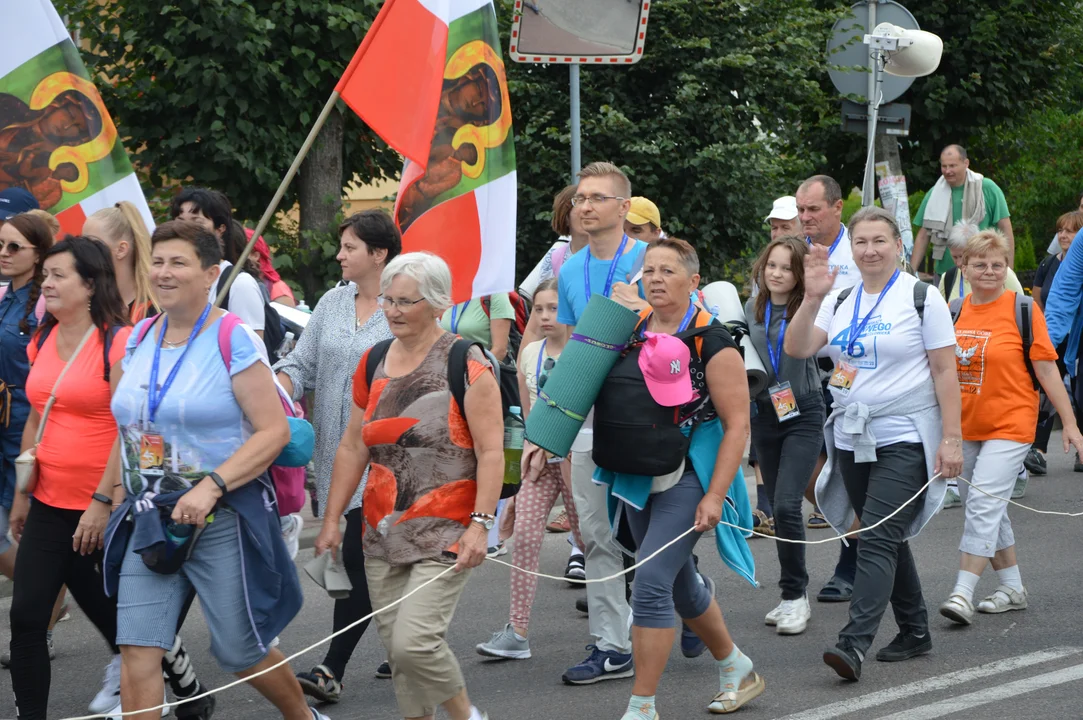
{"points": [[57, 140], [429, 79]]}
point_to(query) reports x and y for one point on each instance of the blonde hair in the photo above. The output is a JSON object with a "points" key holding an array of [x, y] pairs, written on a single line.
{"points": [[52, 222], [608, 169], [123, 221], [986, 243]]}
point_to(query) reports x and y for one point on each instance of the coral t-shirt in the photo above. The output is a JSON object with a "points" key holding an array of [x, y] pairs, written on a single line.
{"points": [[999, 399], [80, 429]]}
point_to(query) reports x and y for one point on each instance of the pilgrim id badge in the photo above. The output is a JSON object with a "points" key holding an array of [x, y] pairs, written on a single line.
{"points": [[784, 401], [152, 452], [842, 377]]}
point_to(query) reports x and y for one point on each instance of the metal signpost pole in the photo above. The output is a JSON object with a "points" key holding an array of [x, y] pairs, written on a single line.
{"points": [[573, 85], [868, 188]]}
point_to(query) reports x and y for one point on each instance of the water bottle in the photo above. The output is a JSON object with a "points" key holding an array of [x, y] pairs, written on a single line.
{"points": [[302, 307], [514, 428], [177, 534]]}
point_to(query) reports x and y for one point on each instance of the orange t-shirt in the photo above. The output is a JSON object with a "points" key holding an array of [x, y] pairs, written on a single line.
{"points": [[999, 400], [80, 431]]}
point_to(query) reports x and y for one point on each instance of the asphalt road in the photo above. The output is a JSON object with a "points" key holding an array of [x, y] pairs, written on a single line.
{"points": [[1018, 665]]}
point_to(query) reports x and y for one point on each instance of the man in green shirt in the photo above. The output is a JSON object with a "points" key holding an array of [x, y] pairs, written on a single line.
{"points": [[938, 214]]}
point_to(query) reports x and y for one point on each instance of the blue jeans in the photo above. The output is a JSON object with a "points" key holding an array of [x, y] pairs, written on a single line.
{"points": [[669, 582], [150, 603]]}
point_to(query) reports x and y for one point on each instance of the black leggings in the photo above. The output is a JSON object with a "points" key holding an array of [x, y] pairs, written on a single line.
{"points": [[357, 605], [45, 562]]}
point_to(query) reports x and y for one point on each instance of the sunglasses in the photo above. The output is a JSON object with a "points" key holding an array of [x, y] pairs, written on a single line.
{"points": [[13, 248], [547, 367]]}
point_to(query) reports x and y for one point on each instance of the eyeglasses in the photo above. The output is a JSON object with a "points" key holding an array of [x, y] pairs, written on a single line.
{"points": [[400, 303], [14, 247], [595, 199], [980, 267]]}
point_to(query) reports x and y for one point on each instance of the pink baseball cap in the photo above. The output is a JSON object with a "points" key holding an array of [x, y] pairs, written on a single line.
{"points": [[663, 360]]}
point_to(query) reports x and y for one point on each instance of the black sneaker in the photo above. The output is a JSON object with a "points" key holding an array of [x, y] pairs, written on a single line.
{"points": [[581, 605], [201, 709], [576, 569], [384, 671], [1078, 464], [905, 646], [845, 661], [1035, 463]]}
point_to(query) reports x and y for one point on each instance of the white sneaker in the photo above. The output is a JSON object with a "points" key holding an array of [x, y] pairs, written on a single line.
{"points": [[115, 713], [794, 616], [772, 617], [292, 525], [317, 715], [109, 696], [1004, 599]]}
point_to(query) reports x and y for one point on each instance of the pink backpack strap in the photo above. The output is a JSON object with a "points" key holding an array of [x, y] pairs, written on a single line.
{"points": [[143, 327], [558, 258], [225, 331], [39, 307]]}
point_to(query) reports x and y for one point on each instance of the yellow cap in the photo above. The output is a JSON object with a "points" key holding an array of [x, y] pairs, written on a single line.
{"points": [[643, 211]]}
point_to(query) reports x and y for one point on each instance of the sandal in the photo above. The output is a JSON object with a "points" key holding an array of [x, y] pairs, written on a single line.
{"points": [[836, 590], [817, 521], [763, 524], [727, 702]]}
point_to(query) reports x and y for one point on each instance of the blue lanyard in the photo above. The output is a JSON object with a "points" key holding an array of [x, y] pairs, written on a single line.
{"points": [[154, 396], [776, 356], [838, 239], [684, 323], [456, 317], [612, 268], [541, 355], [855, 329]]}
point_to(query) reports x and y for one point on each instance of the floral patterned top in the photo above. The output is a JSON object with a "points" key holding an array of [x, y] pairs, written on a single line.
{"points": [[324, 360]]}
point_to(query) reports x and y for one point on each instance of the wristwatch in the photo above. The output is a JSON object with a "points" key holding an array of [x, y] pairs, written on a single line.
{"points": [[486, 520]]}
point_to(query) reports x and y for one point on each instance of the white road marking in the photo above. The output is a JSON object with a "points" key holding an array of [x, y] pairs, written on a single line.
{"points": [[989, 695], [941, 682]]}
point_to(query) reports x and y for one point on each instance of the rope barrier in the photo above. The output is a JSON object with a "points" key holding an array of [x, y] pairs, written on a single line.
{"points": [[841, 537]]}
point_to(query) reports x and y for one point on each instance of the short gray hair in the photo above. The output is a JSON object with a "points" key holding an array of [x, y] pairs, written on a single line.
{"points": [[430, 272], [874, 214], [960, 233]]}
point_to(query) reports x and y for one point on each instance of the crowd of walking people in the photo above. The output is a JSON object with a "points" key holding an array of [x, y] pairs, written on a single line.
{"points": [[144, 430]]}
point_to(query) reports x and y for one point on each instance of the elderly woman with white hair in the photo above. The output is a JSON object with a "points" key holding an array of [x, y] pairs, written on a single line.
{"points": [[427, 422], [953, 283]]}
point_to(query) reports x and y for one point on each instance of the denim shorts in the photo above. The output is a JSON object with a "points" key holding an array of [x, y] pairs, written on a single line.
{"points": [[149, 604], [5, 541]]}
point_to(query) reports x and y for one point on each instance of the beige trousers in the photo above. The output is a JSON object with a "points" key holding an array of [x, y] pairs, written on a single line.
{"points": [[424, 671]]}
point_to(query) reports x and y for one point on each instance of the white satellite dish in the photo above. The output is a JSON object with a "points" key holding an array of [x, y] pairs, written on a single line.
{"points": [[906, 53]]}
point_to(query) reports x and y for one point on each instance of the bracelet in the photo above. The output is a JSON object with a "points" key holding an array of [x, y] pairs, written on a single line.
{"points": [[954, 441], [482, 516], [102, 498], [218, 481]]}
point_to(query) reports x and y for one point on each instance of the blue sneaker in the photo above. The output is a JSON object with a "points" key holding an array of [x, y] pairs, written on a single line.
{"points": [[691, 645], [601, 665]]}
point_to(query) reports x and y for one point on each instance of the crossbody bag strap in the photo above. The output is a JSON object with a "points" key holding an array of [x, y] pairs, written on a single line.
{"points": [[52, 395]]}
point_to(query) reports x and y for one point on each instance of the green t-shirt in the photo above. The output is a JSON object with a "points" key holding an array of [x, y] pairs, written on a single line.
{"points": [[996, 209], [472, 323]]}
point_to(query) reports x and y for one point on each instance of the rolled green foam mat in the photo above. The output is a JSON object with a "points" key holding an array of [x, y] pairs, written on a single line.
{"points": [[574, 383]]}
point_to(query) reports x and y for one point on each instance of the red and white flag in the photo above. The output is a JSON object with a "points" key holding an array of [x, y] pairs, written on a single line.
{"points": [[429, 79], [57, 140]]}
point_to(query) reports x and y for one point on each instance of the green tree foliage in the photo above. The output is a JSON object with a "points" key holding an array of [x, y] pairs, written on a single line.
{"points": [[711, 124], [1037, 163], [1003, 59], [223, 92]]}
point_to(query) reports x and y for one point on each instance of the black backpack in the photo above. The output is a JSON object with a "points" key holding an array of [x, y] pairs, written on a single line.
{"points": [[274, 331], [632, 433], [1024, 310], [921, 289]]}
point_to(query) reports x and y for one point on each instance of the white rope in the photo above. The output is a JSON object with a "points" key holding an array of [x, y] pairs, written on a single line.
{"points": [[354, 624], [1021, 505], [639, 564]]}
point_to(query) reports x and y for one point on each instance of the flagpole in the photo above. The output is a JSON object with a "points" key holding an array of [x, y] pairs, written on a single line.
{"points": [[282, 187]]}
